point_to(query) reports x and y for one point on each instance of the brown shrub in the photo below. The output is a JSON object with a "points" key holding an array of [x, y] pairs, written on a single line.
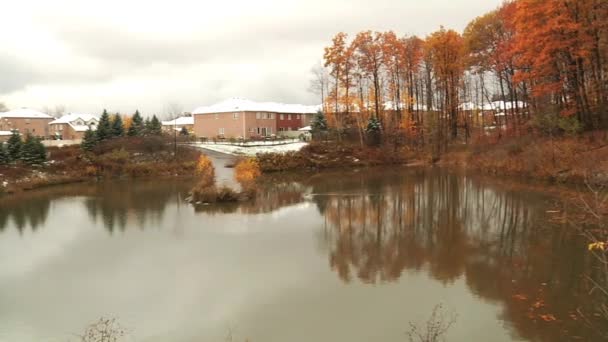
{"points": [[211, 194]]}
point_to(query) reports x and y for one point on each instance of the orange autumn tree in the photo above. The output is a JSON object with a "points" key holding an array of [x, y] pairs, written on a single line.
{"points": [[445, 49], [559, 44], [335, 60], [369, 55]]}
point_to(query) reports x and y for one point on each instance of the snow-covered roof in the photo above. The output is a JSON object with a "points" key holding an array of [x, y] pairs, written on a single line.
{"points": [[496, 105], [243, 105], [181, 121], [5, 133], [25, 113], [305, 129], [71, 117]]}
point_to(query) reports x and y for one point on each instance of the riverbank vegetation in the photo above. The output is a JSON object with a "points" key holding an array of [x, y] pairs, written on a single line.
{"points": [[206, 190], [528, 73], [118, 148]]}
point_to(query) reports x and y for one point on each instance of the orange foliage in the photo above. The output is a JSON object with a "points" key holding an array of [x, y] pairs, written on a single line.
{"points": [[246, 171], [206, 171]]}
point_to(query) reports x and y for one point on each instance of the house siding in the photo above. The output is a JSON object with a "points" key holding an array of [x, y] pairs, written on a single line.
{"points": [[248, 125], [38, 127], [66, 132]]}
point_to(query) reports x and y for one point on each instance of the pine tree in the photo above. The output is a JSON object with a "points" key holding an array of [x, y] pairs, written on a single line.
{"points": [[33, 151], [5, 158], [118, 129], [137, 125], [40, 151], [319, 123], [147, 127], [184, 131], [104, 128], [89, 140], [373, 125], [156, 127], [14, 145]]}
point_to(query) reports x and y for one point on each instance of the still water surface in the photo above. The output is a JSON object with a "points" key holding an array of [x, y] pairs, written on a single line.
{"points": [[333, 257]]}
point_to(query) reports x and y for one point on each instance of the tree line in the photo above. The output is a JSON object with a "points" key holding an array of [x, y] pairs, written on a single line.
{"points": [[528, 63], [30, 151], [114, 126]]}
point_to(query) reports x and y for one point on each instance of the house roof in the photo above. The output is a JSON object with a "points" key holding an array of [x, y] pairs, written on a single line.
{"points": [[182, 120], [5, 133], [25, 113], [243, 105], [68, 118]]}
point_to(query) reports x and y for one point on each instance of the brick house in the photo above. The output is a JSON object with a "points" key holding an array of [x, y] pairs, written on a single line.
{"points": [[72, 126], [239, 118], [26, 121]]}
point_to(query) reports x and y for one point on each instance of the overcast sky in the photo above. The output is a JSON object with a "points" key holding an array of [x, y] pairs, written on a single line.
{"points": [[125, 54]]}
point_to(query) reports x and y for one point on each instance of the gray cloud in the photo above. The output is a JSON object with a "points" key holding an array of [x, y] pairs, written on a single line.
{"points": [[196, 53]]}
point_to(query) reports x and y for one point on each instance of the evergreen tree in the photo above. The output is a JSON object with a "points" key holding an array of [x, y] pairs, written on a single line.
{"points": [[184, 131], [147, 127], [104, 128], [89, 140], [373, 125], [40, 150], [156, 128], [118, 130], [5, 158], [137, 125], [32, 151], [319, 123], [13, 145]]}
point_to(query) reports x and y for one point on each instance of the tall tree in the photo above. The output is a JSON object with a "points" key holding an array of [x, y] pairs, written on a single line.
{"points": [[118, 129], [154, 126], [5, 157], [446, 50], [137, 125], [89, 140], [334, 60], [370, 59], [13, 145], [104, 128]]}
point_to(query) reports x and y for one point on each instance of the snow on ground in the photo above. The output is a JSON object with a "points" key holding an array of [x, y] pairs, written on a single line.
{"points": [[252, 150]]}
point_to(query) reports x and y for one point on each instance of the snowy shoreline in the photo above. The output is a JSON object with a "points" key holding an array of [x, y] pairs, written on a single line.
{"points": [[244, 150]]}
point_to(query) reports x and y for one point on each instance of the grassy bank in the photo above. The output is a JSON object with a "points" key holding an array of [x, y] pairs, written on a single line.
{"points": [[574, 160], [134, 157], [563, 159], [329, 155]]}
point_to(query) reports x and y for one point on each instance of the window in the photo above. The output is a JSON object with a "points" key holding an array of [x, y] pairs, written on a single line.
{"points": [[221, 131], [217, 116], [288, 116], [258, 115], [299, 116], [282, 117], [235, 116], [27, 121]]}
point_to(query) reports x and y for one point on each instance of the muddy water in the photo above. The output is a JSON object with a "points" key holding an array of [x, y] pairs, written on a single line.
{"points": [[351, 256]]}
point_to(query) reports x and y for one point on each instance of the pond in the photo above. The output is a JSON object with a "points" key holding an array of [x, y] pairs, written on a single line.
{"points": [[337, 256]]}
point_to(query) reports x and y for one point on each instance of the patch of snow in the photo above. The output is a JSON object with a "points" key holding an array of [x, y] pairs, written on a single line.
{"points": [[182, 120], [253, 150]]}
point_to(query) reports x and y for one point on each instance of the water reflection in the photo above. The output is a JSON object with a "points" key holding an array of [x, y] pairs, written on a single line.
{"points": [[115, 204], [380, 225], [451, 226]]}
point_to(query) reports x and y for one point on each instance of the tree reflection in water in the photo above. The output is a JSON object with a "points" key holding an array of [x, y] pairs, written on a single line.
{"points": [[453, 226]]}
